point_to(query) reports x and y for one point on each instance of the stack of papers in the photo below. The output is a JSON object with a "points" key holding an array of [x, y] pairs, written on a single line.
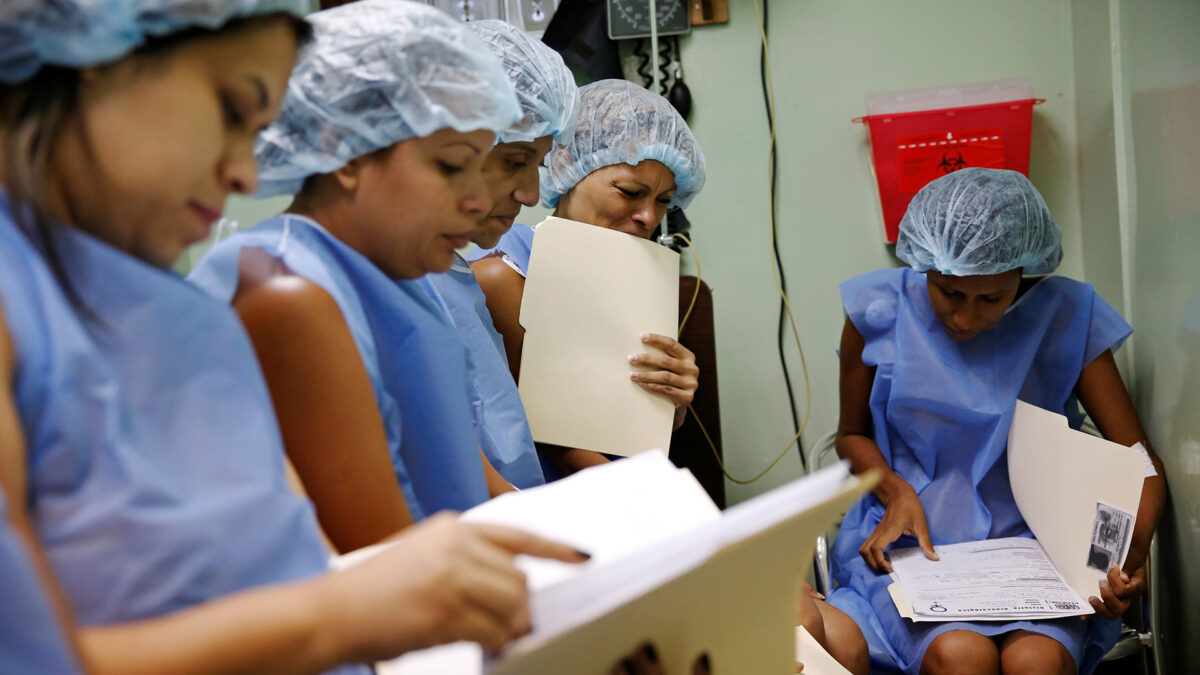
{"points": [[1008, 579], [1079, 494]]}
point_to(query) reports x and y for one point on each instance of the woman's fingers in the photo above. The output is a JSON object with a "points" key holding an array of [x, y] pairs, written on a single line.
{"points": [[668, 345], [923, 540], [872, 550], [677, 397], [1101, 608], [517, 541], [1127, 586], [662, 377], [664, 362]]}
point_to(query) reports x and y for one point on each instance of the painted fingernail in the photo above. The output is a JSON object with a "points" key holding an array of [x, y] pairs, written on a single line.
{"points": [[705, 662], [583, 554], [633, 358], [627, 664], [651, 653], [633, 374]]}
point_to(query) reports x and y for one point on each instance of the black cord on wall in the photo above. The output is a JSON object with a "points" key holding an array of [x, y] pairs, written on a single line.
{"points": [[774, 185]]}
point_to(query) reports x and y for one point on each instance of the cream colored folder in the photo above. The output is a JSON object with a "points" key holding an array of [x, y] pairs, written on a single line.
{"points": [[667, 567], [1058, 477], [590, 294], [728, 589]]}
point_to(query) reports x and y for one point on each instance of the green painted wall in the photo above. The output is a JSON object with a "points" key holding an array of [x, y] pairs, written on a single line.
{"points": [[826, 55]]}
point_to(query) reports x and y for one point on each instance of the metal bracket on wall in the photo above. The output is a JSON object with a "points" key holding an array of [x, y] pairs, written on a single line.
{"points": [[706, 12]]}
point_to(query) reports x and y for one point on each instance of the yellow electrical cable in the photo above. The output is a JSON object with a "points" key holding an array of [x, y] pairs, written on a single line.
{"points": [[696, 291], [778, 286], [711, 445]]}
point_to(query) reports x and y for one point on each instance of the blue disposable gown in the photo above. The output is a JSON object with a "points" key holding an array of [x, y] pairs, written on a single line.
{"points": [[412, 353], [941, 412], [156, 468], [499, 416], [31, 640]]}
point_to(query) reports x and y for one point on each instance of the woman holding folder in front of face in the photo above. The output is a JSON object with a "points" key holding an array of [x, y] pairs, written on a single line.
{"points": [[630, 159], [933, 360]]}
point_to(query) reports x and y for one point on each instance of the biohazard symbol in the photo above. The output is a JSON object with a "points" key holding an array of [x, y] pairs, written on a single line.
{"points": [[952, 160]]}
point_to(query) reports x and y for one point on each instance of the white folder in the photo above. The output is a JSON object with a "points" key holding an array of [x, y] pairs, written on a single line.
{"points": [[725, 584]]}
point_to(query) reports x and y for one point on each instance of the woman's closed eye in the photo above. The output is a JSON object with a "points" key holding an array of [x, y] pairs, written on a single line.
{"points": [[234, 117]]}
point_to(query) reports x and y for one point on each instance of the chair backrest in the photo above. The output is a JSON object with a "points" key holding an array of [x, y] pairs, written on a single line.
{"points": [[689, 449]]}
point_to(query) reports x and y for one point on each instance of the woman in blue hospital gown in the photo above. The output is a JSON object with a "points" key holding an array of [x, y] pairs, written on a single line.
{"points": [[381, 138], [137, 438], [933, 360], [549, 106]]}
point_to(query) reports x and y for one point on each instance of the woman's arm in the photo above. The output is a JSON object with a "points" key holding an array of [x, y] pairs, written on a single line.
{"points": [[904, 513], [496, 483], [441, 581], [1107, 402], [503, 288], [323, 397], [13, 482]]}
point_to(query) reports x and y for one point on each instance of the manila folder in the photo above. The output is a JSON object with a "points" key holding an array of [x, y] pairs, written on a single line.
{"points": [[1059, 476], [590, 294]]}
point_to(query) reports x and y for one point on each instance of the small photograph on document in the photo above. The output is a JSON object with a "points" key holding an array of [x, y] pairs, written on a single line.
{"points": [[1111, 532]]}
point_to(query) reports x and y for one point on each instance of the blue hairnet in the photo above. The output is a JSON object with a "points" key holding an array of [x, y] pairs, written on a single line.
{"points": [[622, 123], [379, 72], [980, 221], [82, 33], [545, 87]]}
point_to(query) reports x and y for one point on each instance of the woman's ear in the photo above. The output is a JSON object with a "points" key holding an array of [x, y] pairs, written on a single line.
{"points": [[349, 175]]}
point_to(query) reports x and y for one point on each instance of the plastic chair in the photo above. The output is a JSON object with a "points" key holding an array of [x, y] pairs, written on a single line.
{"points": [[818, 453]]}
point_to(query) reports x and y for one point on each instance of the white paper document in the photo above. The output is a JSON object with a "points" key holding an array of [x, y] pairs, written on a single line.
{"points": [[816, 660], [1078, 493], [590, 294], [997, 579]]}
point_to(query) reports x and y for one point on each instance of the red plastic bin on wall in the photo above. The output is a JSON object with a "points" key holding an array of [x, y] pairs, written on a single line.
{"points": [[918, 135]]}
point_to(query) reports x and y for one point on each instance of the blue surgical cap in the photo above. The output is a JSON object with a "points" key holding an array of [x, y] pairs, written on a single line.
{"points": [[622, 123], [379, 72], [82, 33], [980, 221], [544, 85]]}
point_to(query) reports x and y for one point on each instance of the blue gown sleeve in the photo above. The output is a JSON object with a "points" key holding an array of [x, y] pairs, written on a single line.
{"points": [[871, 301], [1107, 330]]}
